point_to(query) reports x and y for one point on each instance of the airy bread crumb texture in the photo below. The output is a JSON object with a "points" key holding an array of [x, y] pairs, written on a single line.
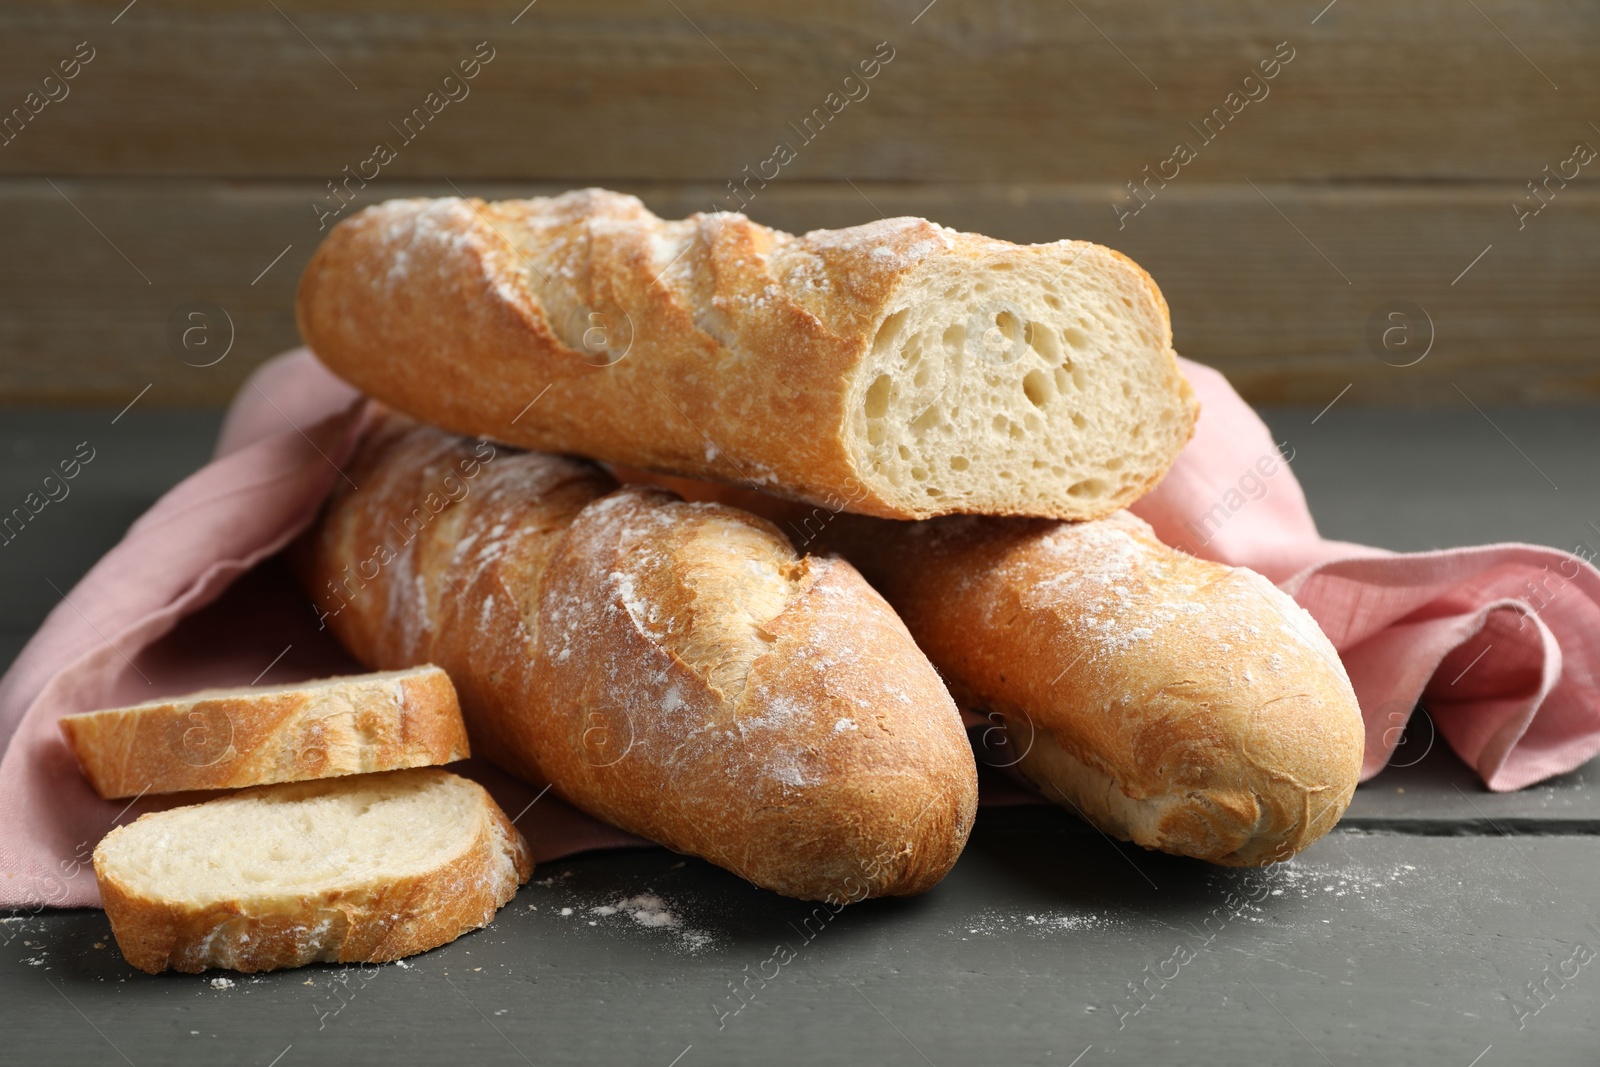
{"points": [[261, 844], [1019, 382], [367, 867]]}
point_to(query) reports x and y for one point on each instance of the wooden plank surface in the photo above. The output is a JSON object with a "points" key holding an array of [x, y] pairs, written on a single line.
{"points": [[1392, 145], [1022, 90], [1274, 285]]}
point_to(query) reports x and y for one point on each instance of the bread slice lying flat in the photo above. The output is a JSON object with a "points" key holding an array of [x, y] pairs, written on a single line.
{"points": [[230, 738], [367, 868], [898, 368]]}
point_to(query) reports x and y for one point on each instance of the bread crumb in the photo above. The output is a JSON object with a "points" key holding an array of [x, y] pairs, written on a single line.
{"points": [[221, 983]]}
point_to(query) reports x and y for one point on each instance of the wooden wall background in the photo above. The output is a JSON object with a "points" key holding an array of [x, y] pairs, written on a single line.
{"points": [[186, 155]]}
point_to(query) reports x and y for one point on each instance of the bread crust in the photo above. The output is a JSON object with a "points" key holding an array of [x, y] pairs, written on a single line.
{"points": [[733, 351], [229, 739], [674, 669], [1177, 703], [361, 921], [1185, 705]]}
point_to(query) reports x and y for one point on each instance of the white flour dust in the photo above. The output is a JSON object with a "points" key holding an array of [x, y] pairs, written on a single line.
{"points": [[1293, 880], [1040, 923], [645, 911]]}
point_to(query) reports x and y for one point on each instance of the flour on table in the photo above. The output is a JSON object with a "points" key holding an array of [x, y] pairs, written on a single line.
{"points": [[645, 911], [1042, 922]]}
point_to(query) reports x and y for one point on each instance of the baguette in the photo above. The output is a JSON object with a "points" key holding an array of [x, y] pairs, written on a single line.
{"points": [[898, 368], [367, 868], [1181, 704], [257, 735], [674, 669]]}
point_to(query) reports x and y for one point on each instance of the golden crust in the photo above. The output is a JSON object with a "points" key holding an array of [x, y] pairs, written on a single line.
{"points": [[1177, 703], [461, 312], [228, 739], [362, 921], [810, 748]]}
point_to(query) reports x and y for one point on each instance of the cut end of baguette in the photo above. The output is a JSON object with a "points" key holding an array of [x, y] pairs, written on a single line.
{"points": [[259, 735], [1020, 380], [367, 868]]}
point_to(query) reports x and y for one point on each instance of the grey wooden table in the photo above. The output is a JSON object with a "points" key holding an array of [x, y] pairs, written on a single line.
{"points": [[1439, 924]]}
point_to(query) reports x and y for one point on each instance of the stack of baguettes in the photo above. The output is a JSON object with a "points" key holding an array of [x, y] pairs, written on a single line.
{"points": [[678, 668]]}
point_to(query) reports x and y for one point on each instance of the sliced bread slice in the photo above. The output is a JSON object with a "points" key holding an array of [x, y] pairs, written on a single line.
{"points": [[258, 735], [367, 868]]}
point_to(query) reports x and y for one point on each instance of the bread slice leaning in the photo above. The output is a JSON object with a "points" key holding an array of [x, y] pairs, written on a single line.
{"points": [[258, 735], [898, 368], [367, 868]]}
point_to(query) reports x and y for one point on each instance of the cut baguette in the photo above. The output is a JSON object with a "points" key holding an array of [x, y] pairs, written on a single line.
{"points": [[258, 735], [898, 369], [367, 869]]}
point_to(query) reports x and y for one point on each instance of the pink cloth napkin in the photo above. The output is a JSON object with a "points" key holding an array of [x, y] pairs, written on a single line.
{"points": [[193, 596], [1493, 639], [1500, 642]]}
